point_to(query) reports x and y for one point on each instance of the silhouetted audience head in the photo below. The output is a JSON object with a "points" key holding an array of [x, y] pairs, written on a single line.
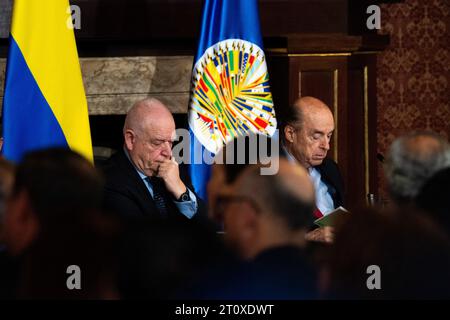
{"points": [[266, 217], [262, 211], [236, 156], [53, 221], [389, 255], [434, 198], [411, 161], [52, 188]]}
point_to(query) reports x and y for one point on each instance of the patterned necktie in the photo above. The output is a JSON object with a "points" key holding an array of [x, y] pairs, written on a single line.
{"points": [[158, 190]]}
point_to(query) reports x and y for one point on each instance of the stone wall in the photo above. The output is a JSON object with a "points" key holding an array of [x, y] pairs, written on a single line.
{"points": [[113, 84]]}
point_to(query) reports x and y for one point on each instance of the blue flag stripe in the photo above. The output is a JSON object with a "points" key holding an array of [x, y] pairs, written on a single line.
{"points": [[200, 173], [229, 19], [29, 122]]}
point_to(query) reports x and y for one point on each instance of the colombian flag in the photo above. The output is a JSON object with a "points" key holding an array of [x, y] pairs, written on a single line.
{"points": [[44, 103]]}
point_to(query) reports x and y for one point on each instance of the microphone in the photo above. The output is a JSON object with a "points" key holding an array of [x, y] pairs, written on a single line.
{"points": [[380, 157]]}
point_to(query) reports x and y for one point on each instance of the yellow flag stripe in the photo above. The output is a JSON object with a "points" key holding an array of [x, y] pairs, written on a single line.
{"points": [[41, 31]]}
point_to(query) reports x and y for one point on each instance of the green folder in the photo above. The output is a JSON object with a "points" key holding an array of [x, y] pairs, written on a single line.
{"points": [[331, 218]]}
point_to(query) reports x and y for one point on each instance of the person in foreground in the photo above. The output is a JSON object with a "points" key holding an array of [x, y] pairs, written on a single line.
{"points": [[412, 160], [53, 221], [265, 219]]}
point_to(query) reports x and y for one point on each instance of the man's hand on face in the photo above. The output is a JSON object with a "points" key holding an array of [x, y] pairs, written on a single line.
{"points": [[169, 172]]}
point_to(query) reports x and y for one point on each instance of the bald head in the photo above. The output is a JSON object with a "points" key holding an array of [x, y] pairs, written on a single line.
{"points": [[310, 109], [145, 113], [287, 196], [412, 160], [307, 131]]}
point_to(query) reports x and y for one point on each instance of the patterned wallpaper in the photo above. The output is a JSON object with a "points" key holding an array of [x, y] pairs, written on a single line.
{"points": [[414, 71]]}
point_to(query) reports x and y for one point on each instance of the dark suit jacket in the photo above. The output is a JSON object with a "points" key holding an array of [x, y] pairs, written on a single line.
{"points": [[126, 193], [331, 176]]}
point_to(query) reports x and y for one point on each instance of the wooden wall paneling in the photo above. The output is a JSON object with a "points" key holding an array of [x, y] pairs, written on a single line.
{"points": [[325, 76], [278, 68], [362, 120], [356, 141]]}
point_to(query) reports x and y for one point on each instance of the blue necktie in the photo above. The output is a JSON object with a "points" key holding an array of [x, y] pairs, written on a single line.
{"points": [[158, 190]]}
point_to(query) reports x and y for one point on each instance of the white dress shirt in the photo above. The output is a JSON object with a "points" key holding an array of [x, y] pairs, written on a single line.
{"points": [[324, 201]]}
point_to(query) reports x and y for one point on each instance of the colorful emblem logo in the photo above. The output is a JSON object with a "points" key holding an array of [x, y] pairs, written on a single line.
{"points": [[231, 94]]}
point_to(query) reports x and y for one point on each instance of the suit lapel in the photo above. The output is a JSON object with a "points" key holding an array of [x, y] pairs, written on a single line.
{"points": [[137, 185]]}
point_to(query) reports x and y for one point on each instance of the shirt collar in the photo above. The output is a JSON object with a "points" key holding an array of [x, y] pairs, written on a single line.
{"points": [[142, 175], [292, 159], [289, 156]]}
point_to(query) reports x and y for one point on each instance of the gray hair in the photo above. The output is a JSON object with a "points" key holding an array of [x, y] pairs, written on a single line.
{"points": [[412, 160]]}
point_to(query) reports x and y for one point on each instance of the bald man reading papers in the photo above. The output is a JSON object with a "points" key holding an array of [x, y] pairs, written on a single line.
{"points": [[305, 135]]}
